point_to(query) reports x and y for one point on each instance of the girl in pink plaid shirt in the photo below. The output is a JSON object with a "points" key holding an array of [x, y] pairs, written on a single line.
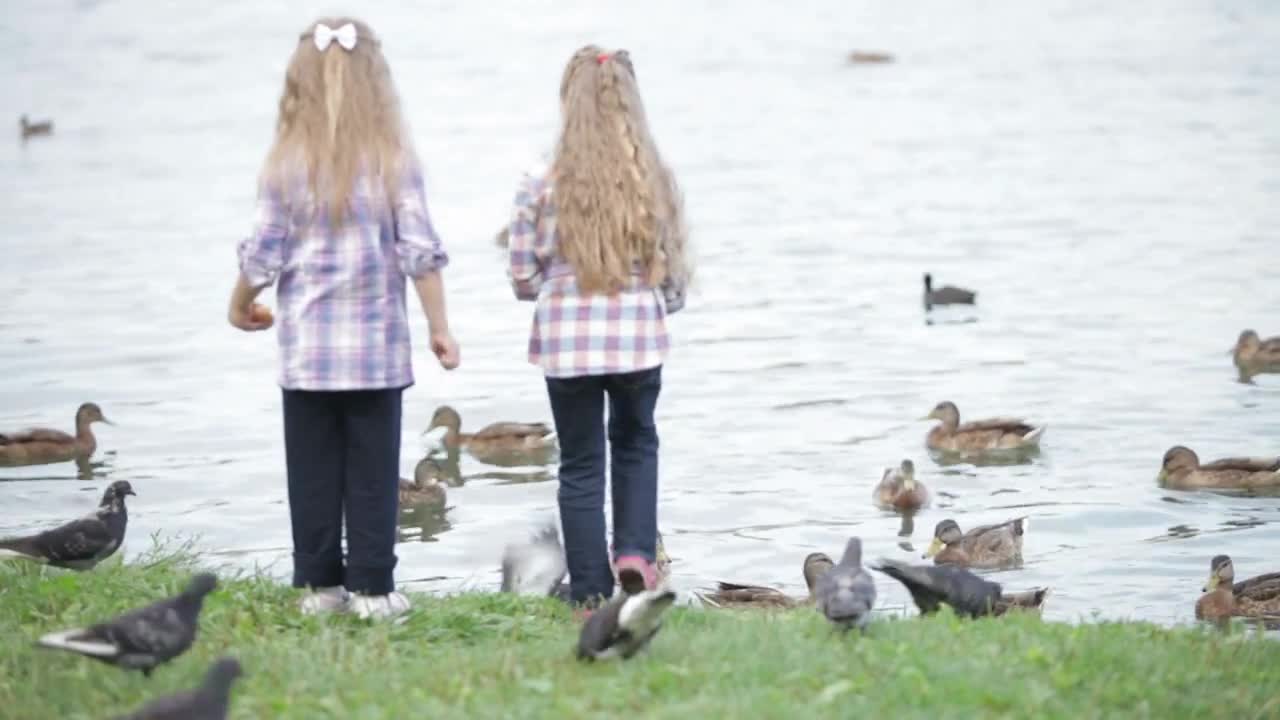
{"points": [[342, 221], [597, 240]]}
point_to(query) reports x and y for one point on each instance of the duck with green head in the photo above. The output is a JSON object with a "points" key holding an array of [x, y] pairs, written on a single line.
{"points": [[38, 446], [986, 546]]}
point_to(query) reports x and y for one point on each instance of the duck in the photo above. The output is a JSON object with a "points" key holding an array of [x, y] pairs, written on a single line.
{"points": [[898, 489], [507, 444], [30, 129], [815, 566], [945, 295], [995, 434], [427, 486], [869, 57], [1223, 598], [1181, 470], [986, 546], [1254, 356], [38, 446], [739, 595]]}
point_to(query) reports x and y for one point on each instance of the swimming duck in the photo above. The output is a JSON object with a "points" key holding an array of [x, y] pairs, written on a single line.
{"points": [[503, 443], [945, 295], [979, 435], [898, 489], [30, 129], [1181, 470], [987, 546], [427, 486], [865, 57], [1255, 356], [1257, 597], [43, 445]]}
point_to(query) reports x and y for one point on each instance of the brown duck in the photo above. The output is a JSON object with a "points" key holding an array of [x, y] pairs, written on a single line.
{"points": [[979, 435], [1223, 598], [44, 445], [987, 546], [899, 490], [427, 486], [1181, 470], [1254, 356], [506, 444]]}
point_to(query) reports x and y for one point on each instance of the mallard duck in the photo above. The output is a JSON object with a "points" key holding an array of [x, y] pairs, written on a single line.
{"points": [[987, 546], [1257, 597], [966, 593], [1255, 356], [30, 129], [43, 445], [738, 595], [1181, 470], [815, 566], [945, 295], [427, 486], [979, 435], [503, 443], [898, 489], [865, 57]]}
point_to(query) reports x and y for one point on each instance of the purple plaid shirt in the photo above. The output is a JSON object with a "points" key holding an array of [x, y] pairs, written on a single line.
{"points": [[340, 315], [575, 334]]}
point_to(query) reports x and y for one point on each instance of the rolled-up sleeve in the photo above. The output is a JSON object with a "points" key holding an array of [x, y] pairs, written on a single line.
{"points": [[418, 248], [261, 254], [526, 241]]}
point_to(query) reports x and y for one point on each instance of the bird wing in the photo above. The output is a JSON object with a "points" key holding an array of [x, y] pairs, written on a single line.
{"points": [[918, 581], [156, 629], [1265, 464], [1016, 426], [81, 539], [513, 430], [34, 435]]}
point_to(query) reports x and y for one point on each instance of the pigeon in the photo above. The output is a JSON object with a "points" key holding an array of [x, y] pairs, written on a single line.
{"points": [[80, 544], [535, 567], [934, 585], [846, 592], [946, 295], [624, 625], [141, 639], [207, 702]]}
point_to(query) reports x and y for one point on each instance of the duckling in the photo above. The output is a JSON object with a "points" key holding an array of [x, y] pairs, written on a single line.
{"points": [[30, 129], [506, 444], [933, 585], [994, 434], [427, 486], [945, 295], [898, 490], [736, 595], [865, 57], [1254, 356], [38, 446], [987, 546], [1181, 470], [815, 566], [1257, 597]]}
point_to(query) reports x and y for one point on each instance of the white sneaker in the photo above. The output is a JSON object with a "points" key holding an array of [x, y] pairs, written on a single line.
{"points": [[380, 607], [325, 600]]}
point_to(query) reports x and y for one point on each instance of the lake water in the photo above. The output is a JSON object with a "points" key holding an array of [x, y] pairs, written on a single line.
{"points": [[1107, 176]]}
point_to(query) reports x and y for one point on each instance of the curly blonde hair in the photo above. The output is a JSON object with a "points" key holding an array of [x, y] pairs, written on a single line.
{"points": [[339, 119], [617, 203]]}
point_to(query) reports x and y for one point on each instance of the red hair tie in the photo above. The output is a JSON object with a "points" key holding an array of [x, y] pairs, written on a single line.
{"points": [[602, 57]]}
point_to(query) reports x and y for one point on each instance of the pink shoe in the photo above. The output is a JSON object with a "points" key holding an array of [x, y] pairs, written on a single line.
{"points": [[635, 574]]}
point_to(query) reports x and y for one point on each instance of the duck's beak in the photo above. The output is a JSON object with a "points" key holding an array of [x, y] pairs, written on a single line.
{"points": [[1162, 475], [1212, 584], [105, 420], [935, 547]]}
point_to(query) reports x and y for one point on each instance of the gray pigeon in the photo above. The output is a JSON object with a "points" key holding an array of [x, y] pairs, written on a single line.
{"points": [[80, 544], [207, 702], [141, 639], [946, 295], [934, 585], [846, 592], [535, 567], [624, 625]]}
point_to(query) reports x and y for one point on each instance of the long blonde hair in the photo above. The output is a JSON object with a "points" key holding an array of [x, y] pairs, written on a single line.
{"points": [[617, 203], [339, 119]]}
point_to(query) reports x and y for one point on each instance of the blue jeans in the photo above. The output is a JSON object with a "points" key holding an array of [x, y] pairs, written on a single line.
{"points": [[578, 406]]}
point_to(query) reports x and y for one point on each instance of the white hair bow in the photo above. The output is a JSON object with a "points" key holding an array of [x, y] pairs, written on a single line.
{"points": [[345, 35]]}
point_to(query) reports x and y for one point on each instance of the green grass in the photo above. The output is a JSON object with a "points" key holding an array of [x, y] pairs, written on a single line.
{"points": [[498, 656]]}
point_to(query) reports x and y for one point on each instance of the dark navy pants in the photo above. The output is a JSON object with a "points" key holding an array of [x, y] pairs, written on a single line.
{"points": [[342, 452], [578, 406]]}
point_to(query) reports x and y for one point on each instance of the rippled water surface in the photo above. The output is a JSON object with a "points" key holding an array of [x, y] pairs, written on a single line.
{"points": [[1107, 176]]}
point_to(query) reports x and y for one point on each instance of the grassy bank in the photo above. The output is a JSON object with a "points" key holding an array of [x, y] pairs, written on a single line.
{"points": [[494, 656]]}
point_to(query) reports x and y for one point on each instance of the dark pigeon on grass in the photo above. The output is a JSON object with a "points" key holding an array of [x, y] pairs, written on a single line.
{"points": [[210, 701], [846, 592], [624, 625], [80, 544], [945, 295], [932, 586], [144, 638]]}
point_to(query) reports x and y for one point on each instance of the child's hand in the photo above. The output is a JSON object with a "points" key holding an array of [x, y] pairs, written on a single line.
{"points": [[446, 349], [250, 319]]}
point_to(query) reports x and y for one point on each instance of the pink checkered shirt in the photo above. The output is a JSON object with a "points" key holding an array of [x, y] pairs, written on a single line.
{"points": [[575, 334]]}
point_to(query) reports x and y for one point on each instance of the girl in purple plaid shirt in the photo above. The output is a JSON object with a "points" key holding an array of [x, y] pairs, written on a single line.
{"points": [[597, 241], [341, 222]]}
